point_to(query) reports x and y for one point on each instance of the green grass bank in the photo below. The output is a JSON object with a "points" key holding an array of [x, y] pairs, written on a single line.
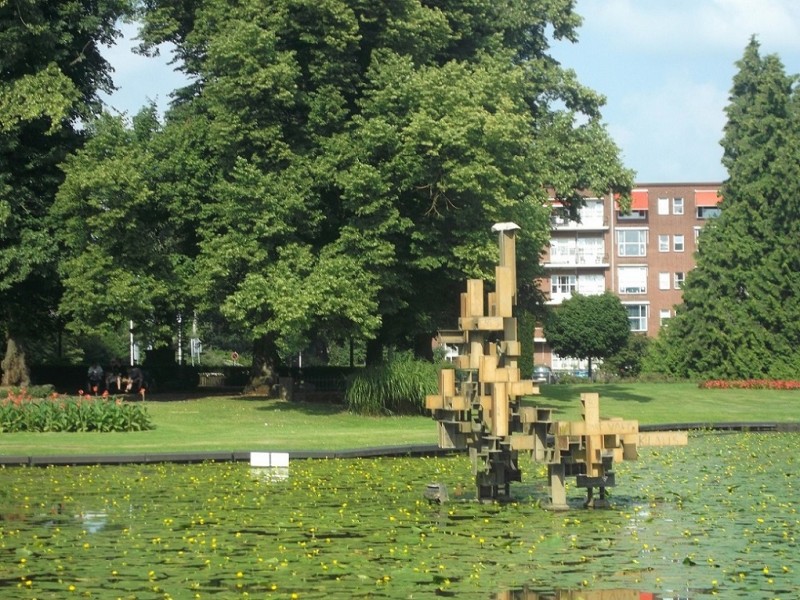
{"points": [[238, 423]]}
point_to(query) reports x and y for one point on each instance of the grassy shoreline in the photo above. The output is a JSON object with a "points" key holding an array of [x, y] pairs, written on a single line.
{"points": [[240, 423]]}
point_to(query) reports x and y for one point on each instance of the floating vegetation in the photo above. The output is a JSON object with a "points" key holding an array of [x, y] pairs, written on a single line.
{"points": [[716, 519]]}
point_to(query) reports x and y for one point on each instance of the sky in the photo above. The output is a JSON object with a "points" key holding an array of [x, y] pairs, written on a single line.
{"points": [[664, 66]]}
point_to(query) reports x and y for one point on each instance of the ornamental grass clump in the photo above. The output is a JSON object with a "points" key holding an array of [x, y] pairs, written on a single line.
{"points": [[21, 412], [398, 387]]}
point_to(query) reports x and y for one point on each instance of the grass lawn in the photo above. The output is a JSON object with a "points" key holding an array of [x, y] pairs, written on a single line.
{"points": [[255, 424], [653, 403]]}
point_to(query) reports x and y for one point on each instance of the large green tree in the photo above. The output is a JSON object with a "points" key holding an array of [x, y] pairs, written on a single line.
{"points": [[740, 316], [589, 327], [361, 151], [51, 69], [121, 248]]}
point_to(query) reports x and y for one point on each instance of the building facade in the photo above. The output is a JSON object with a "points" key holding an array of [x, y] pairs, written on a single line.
{"points": [[642, 256]]}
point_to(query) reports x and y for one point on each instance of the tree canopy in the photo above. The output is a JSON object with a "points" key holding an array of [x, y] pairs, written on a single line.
{"points": [[740, 316], [368, 147], [589, 327], [51, 69], [333, 169]]}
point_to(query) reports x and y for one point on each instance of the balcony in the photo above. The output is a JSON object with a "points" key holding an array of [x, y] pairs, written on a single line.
{"points": [[590, 223], [577, 260]]}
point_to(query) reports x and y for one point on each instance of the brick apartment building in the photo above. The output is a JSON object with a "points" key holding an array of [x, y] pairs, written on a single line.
{"points": [[643, 257]]}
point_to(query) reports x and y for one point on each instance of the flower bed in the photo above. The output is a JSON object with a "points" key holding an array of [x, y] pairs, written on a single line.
{"points": [[750, 384], [21, 412]]}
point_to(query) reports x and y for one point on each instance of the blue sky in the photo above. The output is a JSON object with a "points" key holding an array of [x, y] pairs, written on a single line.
{"points": [[665, 67]]}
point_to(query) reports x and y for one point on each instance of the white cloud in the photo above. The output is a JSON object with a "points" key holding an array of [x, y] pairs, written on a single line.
{"points": [[666, 67], [689, 26]]}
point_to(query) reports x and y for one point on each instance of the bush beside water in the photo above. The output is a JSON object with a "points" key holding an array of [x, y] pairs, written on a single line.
{"points": [[398, 387], [21, 412]]}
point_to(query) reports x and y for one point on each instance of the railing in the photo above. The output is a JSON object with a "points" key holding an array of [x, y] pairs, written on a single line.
{"points": [[559, 223], [579, 259]]}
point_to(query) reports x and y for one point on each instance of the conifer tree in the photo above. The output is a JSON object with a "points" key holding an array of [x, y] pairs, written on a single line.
{"points": [[739, 316]]}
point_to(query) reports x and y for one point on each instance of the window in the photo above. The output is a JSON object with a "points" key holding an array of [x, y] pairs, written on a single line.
{"points": [[632, 242], [591, 285], [632, 280], [663, 206], [562, 251], [708, 212], [664, 315], [680, 278], [592, 213], [663, 243], [677, 242], [637, 316], [563, 284], [677, 206], [633, 215], [590, 251], [663, 281]]}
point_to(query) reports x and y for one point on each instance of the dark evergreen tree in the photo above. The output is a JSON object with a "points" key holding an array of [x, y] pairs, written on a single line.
{"points": [[739, 314]]}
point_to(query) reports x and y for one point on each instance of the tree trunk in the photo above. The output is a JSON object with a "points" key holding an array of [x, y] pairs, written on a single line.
{"points": [[15, 370], [264, 372]]}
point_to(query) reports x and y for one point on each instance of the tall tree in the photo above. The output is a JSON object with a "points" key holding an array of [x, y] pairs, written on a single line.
{"points": [[51, 69], [121, 251], [739, 317], [590, 327], [362, 150]]}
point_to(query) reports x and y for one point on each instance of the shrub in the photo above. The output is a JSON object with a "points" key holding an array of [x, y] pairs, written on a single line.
{"points": [[22, 412], [397, 387]]}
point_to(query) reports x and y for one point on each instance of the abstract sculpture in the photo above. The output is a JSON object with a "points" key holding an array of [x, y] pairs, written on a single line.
{"points": [[479, 403]]}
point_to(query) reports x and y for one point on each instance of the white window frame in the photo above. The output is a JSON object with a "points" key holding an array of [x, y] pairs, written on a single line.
{"points": [[636, 247], [624, 285], [567, 287], [663, 206], [663, 243], [663, 280], [591, 284], [638, 323], [678, 242], [665, 315], [679, 279], [677, 206]]}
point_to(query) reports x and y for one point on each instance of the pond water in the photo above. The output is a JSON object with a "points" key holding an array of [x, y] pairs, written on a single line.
{"points": [[718, 518]]}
